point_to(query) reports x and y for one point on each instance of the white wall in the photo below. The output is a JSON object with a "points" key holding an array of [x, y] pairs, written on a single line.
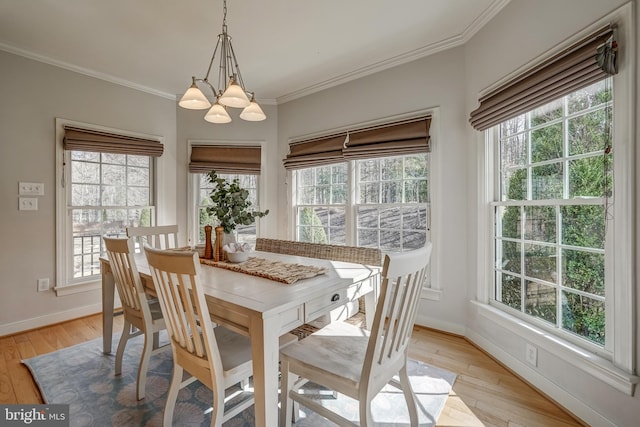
{"points": [[523, 31], [436, 83], [33, 96]]}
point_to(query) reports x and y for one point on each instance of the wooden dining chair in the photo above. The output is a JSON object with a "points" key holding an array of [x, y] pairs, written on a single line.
{"points": [[217, 357], [160, 237], [142, 316], [354, 362]]}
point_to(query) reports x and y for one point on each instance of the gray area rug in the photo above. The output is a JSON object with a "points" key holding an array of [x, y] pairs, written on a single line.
{"points": [[82, 376]]}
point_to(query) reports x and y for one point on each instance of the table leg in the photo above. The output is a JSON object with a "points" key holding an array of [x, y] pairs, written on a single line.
{"points": [[266, 354], [108, 291]]}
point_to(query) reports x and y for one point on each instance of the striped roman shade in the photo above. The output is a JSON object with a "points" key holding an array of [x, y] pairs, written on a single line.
{"points": [[105, 142], [583, 63], [229, 159]]}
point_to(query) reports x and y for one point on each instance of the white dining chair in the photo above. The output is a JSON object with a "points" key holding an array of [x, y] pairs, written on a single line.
{"points": [[160, 236], [142, 316], [217, 357], [355, 362]]}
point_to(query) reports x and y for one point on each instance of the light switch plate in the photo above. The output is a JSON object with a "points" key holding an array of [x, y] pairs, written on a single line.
{"points": [[31, 188], [28, 204]]}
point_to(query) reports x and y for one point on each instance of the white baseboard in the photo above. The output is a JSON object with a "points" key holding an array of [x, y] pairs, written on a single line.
{"points": [[49, 319], [438, 324], [564, 399]]}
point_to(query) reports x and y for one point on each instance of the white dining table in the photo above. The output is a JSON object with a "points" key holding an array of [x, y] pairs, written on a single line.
{"points": [[264, 310]]}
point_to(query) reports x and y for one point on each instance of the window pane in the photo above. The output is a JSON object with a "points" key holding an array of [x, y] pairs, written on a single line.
{"points": [[368, 170], [547, 113], [114, 175], [514, 184], [368, 238], [541, 301], [391, 168], [513, 126], [391, 218], [137, 176], [138, 196], [540, 223], [513, 151], [546, 182], [583, 271], [391, 192], [589, 132], [583, 226], [510, 290], [85, 195], [339, 194], [587, 177], [84, 172], [596, 94], [511, 222], [584, 316], [511, 255], [369, 193], [368, 217], [413, 240], [546, 143], [114, 159], [389, 241], [414, 218], [540, 262]]}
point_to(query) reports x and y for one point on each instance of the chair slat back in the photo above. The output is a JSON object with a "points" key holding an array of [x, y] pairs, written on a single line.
{"points": [[159, 237], [175, 276], [403, 275], [125, 273]]}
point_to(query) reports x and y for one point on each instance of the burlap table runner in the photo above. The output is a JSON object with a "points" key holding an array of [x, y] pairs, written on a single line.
{"points": [[274, 270]]}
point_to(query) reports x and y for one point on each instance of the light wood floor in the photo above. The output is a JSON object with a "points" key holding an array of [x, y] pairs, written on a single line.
{"points": [[485, 393]]}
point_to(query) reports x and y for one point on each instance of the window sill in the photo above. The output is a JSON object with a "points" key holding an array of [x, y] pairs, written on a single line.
{"points": [[77, 288], [593, 365]]}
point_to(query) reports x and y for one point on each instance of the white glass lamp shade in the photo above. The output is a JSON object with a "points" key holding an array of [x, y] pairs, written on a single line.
{"points": [[217, 114], [194, 99], [234, 96], [253, 112]]}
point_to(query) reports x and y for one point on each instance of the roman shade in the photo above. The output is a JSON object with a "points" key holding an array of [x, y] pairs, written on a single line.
{"points": [[105, 142], [390, 139], [230, 159], [315, 152], [591, 59], [394, 139]]}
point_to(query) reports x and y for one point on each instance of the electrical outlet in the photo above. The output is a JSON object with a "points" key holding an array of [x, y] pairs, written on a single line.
{"points": [[43, 284], [31, 189], [531, 355], [28, 204]]}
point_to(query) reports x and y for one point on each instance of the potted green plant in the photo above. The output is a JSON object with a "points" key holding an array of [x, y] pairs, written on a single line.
{"points": [[230, 207]]}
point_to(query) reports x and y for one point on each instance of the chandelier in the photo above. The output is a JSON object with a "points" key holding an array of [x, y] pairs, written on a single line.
{"points": [[231, 91]]}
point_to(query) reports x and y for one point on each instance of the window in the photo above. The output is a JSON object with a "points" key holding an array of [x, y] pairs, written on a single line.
{"points": [[387, 208], [243, 233], [108, 193], [240, 160], [367, 187], [555, 186], [106, 185]]}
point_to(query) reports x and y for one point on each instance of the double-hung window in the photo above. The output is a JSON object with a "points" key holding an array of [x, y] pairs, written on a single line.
{"points": [[558, 139], [366, 188], [106, 184], [238, 160]]}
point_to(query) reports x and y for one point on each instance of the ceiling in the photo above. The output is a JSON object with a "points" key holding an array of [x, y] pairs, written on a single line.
{"points": [[285, 48]]}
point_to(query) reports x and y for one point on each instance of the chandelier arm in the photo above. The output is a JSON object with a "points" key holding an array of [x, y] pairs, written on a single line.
{"points": [[213, 57], [235, 65]]}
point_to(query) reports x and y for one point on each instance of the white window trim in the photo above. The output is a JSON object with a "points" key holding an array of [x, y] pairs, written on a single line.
{"points": [[617, 372], [193, 185], [64, 245]]}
